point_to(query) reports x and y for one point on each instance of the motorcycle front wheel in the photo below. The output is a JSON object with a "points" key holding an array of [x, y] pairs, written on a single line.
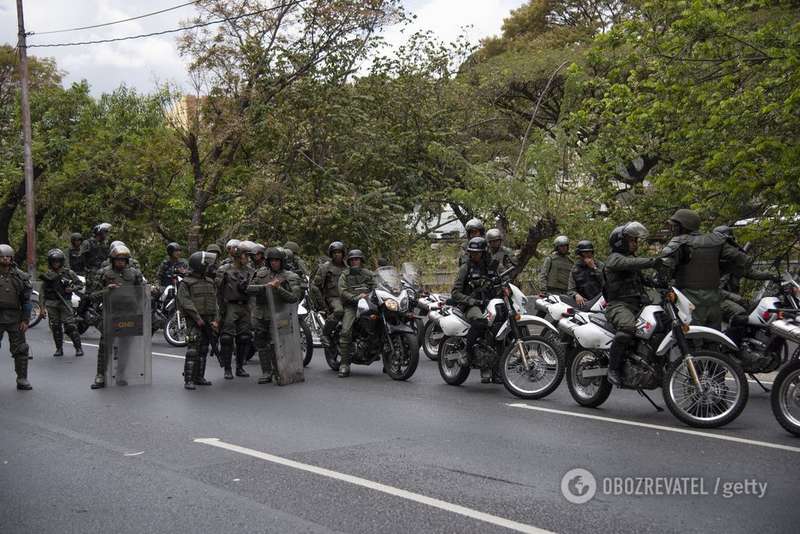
{"points": [[332, 355], [306, 343], [587, 380], [431, 339], [720, 397], [175, 330], [541, 376], [405, 357], [36, 314], [786, 397], [452, 353]]}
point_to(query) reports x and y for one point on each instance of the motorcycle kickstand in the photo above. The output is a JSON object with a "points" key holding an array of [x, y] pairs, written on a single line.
{"points": [[765, 388], [646, 396]]}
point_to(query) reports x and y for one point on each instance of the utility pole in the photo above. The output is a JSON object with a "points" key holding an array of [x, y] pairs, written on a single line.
{"points": [[30, 212]]}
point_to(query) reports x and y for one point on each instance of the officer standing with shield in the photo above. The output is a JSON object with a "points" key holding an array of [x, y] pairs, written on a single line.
{"points": [[275, 290]]}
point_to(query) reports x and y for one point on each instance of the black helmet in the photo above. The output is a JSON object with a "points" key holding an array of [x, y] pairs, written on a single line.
{"points": [[476, 244], [257, 248], [274, 253], [54, 255], [6, 251], [333, 247], [172, 248], [287, 253], [688, 219], [76, 236], [200, 261], [353, 254], [291, 245], [724, 230], [120, 252], [584, 246], [100, 228], [474, 224], [632, 229]]}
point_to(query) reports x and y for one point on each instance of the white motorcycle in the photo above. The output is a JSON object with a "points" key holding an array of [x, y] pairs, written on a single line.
{"points": [[529, 366], [703, 388]]}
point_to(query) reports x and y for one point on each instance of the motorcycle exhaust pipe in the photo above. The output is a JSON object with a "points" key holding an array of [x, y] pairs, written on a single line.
{"points": [[785, 329]]}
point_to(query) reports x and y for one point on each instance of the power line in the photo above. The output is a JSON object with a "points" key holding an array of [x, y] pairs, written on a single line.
{"points": [[163, 32], [116, 21]]}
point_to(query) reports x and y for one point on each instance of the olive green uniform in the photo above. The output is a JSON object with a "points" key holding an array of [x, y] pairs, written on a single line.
{"points": [[693, 261], [352, 283], [128, 276], [58, 303], [234, 313], [289, 290], [197, 300], [15, 294], [503, 257], [326, 281], [625, 289], [554, 273]]}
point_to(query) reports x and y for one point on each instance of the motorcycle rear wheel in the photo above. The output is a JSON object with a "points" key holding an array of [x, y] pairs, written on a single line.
{"points": [[785, 397], [591, 391], [175, 331], [452, 372], [713, 406]]}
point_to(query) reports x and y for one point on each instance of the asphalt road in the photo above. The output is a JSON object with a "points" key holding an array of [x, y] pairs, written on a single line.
{"points": [[368, 454]]}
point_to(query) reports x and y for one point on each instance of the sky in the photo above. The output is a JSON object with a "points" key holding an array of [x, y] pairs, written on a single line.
{"points": [[145, 63]]}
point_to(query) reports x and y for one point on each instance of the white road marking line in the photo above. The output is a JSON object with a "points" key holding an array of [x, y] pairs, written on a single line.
{"points": [[660, 427], [383, 488], [134, 453], [164, 354]]}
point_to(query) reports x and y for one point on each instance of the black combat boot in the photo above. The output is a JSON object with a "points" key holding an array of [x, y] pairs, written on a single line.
{"points": [[242, 350], [21, 367], [188, 374], [200, 373]]}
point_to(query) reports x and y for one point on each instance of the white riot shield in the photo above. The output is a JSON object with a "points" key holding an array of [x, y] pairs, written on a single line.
{"points": [[126, 327], [285, 332]]}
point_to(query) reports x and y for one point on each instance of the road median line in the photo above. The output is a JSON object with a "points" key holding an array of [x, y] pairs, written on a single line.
{"points": [[164, 354]]}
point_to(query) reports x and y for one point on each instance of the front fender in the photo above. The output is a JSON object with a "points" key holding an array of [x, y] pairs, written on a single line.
{"points": [[526, 321], [401, 328], [697, 332]]}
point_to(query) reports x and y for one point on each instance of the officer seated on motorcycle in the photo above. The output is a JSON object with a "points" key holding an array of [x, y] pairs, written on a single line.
{"points": [[355, 283], [472, 291], [171, 266], [624, 291]]}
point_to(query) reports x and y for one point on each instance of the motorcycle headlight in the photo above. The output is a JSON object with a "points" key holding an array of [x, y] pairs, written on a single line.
{"points": [[404, 304], [391, 305]]}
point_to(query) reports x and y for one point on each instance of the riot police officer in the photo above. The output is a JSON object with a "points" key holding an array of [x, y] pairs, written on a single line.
{"points": [[231, 248], [197, 300], [502, 255], [302, 267], [694, 261], [473, 228], [234, 311], [355, 283], [117, 274], [258, 256], [586, 277], [15, 311], [624, 291], [74, 254], [326, 284], [285, 286], [472, 290], [93, 250], [58, 284], [554, 273], [171, 266]]}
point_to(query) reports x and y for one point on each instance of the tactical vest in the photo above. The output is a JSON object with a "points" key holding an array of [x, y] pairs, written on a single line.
{"points": [[95, 254], [558, 275], [627, 286], [264, 276], [53, 285], [126, 277], [233, 277], [75, 260], [477, 283], [203, 294], [10, 289], [330, 282], [358, 281], [702, 269], [588, 282]]}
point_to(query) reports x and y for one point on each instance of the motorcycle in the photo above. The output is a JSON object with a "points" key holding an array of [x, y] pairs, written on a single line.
{"points": [[704, 388], [307, 316], [166, 314], [529, 366], [785, 397], [430, 335], [383, 330]]}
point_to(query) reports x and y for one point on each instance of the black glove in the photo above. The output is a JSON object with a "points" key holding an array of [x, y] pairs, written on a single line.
{"points": [[658, 263]]}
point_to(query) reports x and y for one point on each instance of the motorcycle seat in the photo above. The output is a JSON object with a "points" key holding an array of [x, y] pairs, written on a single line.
{"points": [[601, 321]]}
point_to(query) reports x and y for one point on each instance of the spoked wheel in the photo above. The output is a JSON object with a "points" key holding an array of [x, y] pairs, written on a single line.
{"points": [[175, 330], [36, 314], [405, 357], [332, 355], [587, 380], [453, 365], [306, 343], [535, 374], [719, 397], [316, 331], [786, 397], [432, 337]]}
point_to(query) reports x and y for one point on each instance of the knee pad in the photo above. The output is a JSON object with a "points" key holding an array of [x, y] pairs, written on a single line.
{"points": [[226, 340], [54, 325], [192, 354], [70, 329], [21, 351]]}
